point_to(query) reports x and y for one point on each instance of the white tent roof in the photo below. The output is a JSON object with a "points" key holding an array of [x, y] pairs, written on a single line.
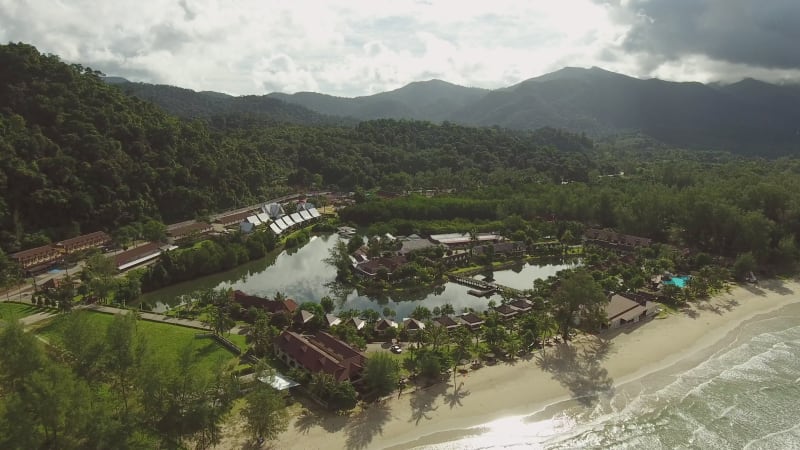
{"points": [[314, 212], [275, 228], [305, 215], [263, 217], [254, 220], [278, 381], [297, 218], [288, 220]]}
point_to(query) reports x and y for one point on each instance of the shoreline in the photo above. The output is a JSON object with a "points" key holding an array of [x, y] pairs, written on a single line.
{"points": [[582, 371]]}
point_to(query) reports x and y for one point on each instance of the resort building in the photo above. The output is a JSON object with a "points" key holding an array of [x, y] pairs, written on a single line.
{"points": [[501, 249], [372, 267], [331, 320], [622, 310], [522, 305], [320, 353], [413, 326], [233, 219], [136, 256], [191, 230], [33, 258], [615, 241], [384, 324], [356, 323], [460, 240], [471, 321], [287, 306], [447, 322], [506, 312], [92, 240]]}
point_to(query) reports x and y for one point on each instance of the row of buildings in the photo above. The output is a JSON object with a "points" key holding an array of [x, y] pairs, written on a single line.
{"points": [[41, 258]]}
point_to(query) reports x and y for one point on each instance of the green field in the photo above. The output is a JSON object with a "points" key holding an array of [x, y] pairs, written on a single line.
{"points": [[15, 311], [161, 337]]}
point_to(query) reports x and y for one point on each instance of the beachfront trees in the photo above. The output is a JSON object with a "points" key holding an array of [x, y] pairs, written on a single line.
{"points": [[745, 263], [339, 396], [381, 374], [578, 300], [264, 412]]}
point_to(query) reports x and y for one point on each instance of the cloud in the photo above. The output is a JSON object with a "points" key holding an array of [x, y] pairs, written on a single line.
{"points": [[359, 47]]}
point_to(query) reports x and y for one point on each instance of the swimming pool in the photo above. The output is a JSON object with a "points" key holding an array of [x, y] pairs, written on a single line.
{"points": [[678, 281]]}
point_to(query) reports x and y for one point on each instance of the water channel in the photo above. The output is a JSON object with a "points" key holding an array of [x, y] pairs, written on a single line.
{"points": [[303, 275]]}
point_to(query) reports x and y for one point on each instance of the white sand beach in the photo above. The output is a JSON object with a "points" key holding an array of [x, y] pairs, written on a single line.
{"points": [[445, 412]]}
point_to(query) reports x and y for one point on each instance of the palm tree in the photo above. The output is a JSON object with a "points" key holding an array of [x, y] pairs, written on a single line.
{"points": [[437, 335]]}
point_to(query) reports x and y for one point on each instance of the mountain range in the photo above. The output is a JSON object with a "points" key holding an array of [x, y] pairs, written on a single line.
{"points": [[745, 116]]}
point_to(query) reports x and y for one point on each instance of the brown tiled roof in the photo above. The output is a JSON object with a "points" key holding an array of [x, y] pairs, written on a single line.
{"points": [[198, 227], [372, 266], [80, 240], [505, 310], [322, 353], [136, 253], [618, 305], [234, 218], [471, 318], [446, 321], [45, 249], [413, 324], [271, 306], [521, 304]]}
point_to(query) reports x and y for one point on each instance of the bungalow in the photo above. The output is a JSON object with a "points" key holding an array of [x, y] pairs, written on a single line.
{"points": [[413, 326], [384, 324], [506, 312], [91, 240], [522, 305], [287, 306], [303, 317], [471, 321], [331, 320], [622, 310], [371, 268], [447, 322], [28, 259], [320, 353], [356, 323]]}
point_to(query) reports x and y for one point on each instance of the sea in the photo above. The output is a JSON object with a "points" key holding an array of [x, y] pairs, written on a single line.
{"points": [[741, 393]]}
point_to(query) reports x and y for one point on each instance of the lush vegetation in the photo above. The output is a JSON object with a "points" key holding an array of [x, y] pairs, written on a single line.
{"points": [[109, 385]]}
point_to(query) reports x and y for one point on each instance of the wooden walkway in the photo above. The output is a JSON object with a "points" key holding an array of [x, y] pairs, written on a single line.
{"points": [[481, 288]]}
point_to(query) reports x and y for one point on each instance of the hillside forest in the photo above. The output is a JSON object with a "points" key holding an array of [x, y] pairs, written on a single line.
{"points": [[77, 155]]}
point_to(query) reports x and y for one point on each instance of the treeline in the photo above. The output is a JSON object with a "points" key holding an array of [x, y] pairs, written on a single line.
{"points": [[78, 155], [724, 208], [106, 387], [207, 257]]}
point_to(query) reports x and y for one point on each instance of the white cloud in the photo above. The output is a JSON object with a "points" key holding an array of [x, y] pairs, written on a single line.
{"points": [[349, 48]]}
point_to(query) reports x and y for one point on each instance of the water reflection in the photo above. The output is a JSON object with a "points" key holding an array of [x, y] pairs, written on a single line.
{"points": [[302, 274]]}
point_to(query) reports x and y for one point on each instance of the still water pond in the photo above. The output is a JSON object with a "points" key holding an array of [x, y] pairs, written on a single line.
{"points": [[303, 275]]}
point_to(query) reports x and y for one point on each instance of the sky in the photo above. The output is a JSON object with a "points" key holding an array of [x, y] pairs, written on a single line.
{"points": [[361, 47]]}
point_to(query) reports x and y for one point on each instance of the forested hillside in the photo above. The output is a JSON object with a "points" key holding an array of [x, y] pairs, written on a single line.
{"points": [[189, 104], [78, 155]]}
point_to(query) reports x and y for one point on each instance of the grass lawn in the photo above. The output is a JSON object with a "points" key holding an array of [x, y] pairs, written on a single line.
{"points": [[162, 337], [15, 311]]}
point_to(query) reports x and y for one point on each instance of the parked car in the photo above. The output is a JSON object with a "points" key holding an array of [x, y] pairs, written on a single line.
{"points": [[396, 349]]}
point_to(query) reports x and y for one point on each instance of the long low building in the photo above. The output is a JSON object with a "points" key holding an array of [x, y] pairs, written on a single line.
{"points": [[83, 242], [135, 256], [30, 258]]}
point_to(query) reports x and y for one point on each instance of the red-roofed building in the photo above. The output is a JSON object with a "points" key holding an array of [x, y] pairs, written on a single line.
{"points": [[320, 353], [246, 301], [36, 256], [91, 240]]}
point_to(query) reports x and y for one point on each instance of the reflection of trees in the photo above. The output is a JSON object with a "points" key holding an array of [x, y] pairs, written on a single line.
{"points": [[413, 294]]}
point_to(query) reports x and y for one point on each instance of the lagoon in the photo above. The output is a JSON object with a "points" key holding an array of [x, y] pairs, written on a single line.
{"points": [[303, 275]]}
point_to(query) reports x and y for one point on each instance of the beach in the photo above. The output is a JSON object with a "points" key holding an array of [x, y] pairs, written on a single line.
{"points": [[585, 370]]}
